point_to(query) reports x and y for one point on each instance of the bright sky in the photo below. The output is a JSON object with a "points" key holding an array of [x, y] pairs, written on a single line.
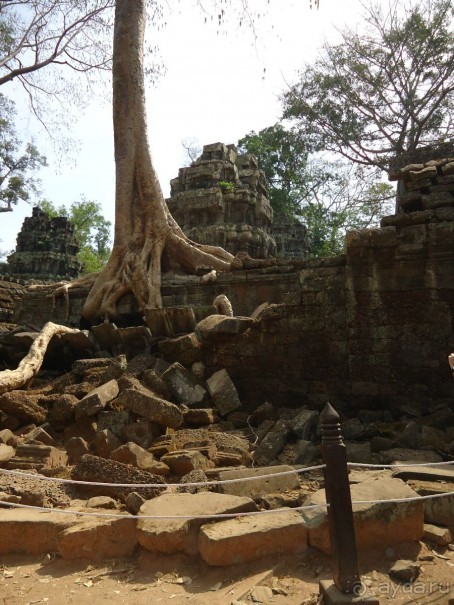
{"points": [[213, 90]]}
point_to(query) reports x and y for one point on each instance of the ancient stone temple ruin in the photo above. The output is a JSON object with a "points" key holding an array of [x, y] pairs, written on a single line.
{"points": [[46, 249], [222, 199], [291, 237]]}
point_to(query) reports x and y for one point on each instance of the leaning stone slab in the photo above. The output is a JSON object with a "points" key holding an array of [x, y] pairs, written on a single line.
{"points": [[376, 525], [250, 538], [151, 407], [305, 425], [181, 534], [98, 539], [97, 399], [185, 387], [210, 327], [223, 392], [98, 470], [272, 443], [270, 482]]}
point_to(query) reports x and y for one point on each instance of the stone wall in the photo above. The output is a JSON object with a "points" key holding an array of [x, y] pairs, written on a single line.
{"points": [[371, 329], [272, 281]]}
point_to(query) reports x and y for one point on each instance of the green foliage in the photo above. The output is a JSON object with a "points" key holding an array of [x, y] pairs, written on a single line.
{"points": [[330, 197], [227, 185], [91, 230], [283, 158], [16, 183], [383, 91]]}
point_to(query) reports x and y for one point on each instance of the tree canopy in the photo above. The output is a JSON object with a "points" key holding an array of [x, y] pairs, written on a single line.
{"points": [[329, 196], [40, 38], [17, 164], [91, 229], [385, 88]]}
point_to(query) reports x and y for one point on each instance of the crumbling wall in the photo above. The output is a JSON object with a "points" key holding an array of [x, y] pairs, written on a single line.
{"points": [[373, 328], [370, 329]]}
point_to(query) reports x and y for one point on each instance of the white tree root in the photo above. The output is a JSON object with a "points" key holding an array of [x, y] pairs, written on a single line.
{"points": [[223, 305], [27, 369]]}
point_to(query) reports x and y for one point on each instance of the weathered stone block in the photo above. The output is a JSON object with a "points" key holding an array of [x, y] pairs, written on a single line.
{"points": [[98, 539], [201, 416], [270, 481], [181, 534], [250, 538], [376, 525], [31, 532], [186, 349], [36, 456], [151, 407], [184, 386], [211, 326], [184, 461], [223, 392], [305, 425], [6, 453], [272, 443], [22, 406], [105, 443], [97, 399], [98, 470]]}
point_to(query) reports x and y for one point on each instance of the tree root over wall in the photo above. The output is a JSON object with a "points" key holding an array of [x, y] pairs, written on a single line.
{"points": [[32, 362]]}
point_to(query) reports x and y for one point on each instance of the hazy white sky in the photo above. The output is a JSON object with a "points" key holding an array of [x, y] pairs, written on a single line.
{"points": [[214, 90]]}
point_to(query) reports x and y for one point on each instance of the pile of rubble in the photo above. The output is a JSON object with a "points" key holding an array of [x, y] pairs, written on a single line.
{"points": [[114, 421]]}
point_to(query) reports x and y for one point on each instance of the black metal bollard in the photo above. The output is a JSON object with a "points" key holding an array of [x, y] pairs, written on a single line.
{"points": [[340, 514]]}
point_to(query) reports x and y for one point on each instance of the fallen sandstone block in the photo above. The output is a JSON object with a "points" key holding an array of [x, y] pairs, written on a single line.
{"points": [[271, 481], [151, 407], [35, 456], [250, 538], [223, 392], [181, 534], [22, 406], [98, 470], [185, 387], [97, 399], [98, 539], [377, 525], [30, 532]]}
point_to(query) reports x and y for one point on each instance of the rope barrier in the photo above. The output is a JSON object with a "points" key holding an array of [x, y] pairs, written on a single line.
{"points": [[166, 517], [218, 482], [220, 515], [162, 485]]}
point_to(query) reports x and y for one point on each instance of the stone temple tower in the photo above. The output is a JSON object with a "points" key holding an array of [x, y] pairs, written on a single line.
{"points": [[222, 200]]}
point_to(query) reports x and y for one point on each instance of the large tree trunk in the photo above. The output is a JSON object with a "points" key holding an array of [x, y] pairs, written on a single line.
{"points": [[144, 227]]}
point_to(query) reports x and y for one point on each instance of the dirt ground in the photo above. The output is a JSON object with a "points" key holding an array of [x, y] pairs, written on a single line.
{"points": [[178, 579]]}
